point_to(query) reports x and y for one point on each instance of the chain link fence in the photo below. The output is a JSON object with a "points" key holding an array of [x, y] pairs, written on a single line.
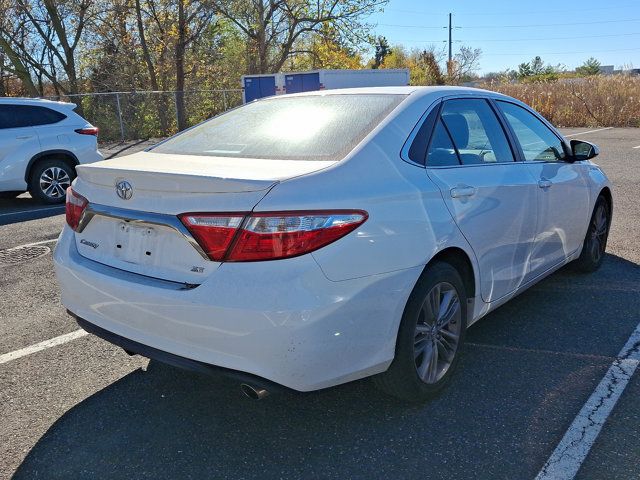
{"points": [[126, 116]]}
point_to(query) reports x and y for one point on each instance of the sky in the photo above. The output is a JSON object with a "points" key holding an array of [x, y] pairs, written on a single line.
{"points": [[561, 32]]}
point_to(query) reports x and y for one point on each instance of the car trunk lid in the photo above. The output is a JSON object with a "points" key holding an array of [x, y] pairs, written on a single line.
{"points": [[140, 232]]}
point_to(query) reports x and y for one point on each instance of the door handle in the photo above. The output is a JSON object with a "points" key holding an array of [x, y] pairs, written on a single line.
{"points": [[463, 191], [544, 183], [24, 137]]}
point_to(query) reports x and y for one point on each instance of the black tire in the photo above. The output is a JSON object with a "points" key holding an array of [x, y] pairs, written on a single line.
{"points": [[402, 380], [38, 189], [595, 242]]}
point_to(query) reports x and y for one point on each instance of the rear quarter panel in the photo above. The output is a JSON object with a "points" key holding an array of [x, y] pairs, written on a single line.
{"points": [[408, 222], [61, 136]]}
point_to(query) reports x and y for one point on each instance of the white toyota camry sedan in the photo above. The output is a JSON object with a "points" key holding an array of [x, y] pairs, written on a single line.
{"points": [[307, 240]]}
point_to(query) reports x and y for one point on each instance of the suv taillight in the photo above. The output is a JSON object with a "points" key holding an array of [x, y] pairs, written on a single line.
{"points": [[75, 206], [88, 131], [243, 237]]}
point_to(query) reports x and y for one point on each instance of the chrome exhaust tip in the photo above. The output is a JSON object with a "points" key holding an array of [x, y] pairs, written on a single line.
{"points": [[256, 393]]}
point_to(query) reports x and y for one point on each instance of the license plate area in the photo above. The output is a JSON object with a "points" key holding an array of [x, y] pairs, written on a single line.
{"points": [[135, 243]]}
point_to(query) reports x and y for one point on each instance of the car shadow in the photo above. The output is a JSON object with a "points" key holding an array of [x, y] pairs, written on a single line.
{"points": [[500, 417]]}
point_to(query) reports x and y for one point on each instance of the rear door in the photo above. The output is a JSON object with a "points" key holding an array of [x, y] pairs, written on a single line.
{"points": [[562, 193], [491, 197]]}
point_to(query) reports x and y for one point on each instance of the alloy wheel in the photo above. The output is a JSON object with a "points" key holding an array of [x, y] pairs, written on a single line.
{"points": [[54, 182], [598, 232], [437, 332]]}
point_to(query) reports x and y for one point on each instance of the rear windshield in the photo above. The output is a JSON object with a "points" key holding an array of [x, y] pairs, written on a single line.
{"points": [[314, 127]]}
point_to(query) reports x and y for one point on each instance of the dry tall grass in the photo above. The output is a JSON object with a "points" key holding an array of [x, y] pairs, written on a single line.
{"points": [[599, 101]]}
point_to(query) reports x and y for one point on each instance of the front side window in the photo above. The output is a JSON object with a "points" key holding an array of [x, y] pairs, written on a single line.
{"points": [[537, 141], [476, 132], [314, 127], [19, 116]]}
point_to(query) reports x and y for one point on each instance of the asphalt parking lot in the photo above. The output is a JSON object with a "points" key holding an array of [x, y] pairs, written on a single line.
{"points": [[85, 409]]}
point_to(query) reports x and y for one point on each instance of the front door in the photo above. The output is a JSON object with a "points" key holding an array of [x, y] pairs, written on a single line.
{"points": [[491, 197], [563, 192]]}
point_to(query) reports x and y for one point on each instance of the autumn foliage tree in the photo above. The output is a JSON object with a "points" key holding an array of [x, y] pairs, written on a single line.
{"points": [[275, 29]]}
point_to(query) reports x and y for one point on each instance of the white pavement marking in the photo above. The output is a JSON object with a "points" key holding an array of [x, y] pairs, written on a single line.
{"points": [[637, 146], [589, 131], [566, 459], [37, 243], [52, 342], [46, 209]]}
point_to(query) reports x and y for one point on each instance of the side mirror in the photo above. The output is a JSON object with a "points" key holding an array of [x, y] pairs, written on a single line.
{"points": [[581, 150]]}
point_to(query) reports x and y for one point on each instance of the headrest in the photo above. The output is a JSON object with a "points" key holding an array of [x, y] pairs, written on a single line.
{"points": [[458, 127]]}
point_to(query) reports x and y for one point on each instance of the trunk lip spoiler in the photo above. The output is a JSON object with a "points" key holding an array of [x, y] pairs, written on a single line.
{"points": [[138, 216]]}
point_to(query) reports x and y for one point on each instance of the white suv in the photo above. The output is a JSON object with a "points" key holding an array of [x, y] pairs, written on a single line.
{"points": [[41, 142]]}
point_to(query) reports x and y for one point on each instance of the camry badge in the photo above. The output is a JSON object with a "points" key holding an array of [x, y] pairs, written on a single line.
{"points": [[90, 244], [124, 190]]}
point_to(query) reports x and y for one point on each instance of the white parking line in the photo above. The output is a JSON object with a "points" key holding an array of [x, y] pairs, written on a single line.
{"points": [[637, 146], [37, 243], [589, 131], [52, 342], [566, 459], [46, 209]]}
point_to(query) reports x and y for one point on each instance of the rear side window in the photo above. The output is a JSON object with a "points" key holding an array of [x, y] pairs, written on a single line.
{"points": [[314, 127], [418, 147], [17, 116], [537, 141], [441, 152], [476, 132]]}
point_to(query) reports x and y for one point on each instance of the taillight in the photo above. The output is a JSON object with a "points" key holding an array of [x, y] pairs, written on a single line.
{"points": [[269, 235], [75, 206], [88, 131], [213, 232]]}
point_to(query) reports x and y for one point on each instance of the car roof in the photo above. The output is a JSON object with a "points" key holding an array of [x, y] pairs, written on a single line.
{"points": [[405, 90], [36, 101]]}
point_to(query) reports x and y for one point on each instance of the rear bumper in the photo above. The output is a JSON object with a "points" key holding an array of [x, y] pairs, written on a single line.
{"points": [[165, 357], [282, 321]]}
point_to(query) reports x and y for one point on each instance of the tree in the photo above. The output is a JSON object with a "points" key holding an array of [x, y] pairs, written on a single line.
{"points": [[464, 64], [428, 62], [193, 17], [537, 66], [46, 39], [398, 57], [537, 70], [19, 69], [274, 28], [524, 70], [175, 27], [325, 50], [424, 64], [382, 51], [591, 66]]}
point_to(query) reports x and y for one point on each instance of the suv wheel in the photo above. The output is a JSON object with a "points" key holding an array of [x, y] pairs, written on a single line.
{"points": [[50, 179]]}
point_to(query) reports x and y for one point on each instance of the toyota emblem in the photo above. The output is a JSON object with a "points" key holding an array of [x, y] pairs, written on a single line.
{"points": [[124, 190]]}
